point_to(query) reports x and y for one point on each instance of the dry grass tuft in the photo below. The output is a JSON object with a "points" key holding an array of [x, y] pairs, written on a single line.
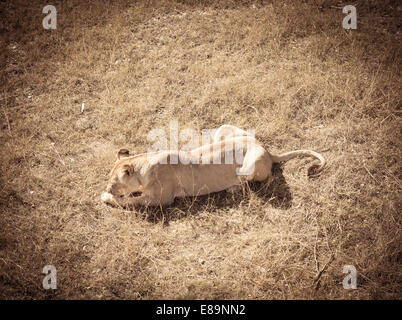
{"points": [[286, 69]]}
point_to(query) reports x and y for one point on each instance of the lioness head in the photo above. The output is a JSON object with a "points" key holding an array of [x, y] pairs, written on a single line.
{"points": [[123, 180]]}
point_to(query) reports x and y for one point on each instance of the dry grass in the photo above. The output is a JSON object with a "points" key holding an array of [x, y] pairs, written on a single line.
{"points": [[137, 66]]}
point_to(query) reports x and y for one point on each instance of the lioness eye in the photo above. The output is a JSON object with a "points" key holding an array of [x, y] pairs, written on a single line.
{"points": [[127, 172]]}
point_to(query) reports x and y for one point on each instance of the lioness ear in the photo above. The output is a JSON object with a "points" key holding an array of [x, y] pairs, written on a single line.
{"points": [[122, 153], [128, 169]]}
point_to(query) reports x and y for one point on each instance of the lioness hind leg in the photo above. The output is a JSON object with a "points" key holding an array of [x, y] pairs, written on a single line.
{"points": [[256, 166], [228, 131]]}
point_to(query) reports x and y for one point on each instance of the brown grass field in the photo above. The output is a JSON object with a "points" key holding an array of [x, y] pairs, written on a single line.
{"points": [[284, 68]]}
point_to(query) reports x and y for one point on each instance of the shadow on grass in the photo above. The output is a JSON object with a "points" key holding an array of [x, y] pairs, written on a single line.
{"points": [[277, 194]]}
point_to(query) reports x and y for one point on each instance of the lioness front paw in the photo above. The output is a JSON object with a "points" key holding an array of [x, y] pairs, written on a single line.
{"points": [[234, 189], [107, 198]]}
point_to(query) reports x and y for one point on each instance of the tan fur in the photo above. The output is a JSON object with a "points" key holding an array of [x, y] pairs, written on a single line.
{"points": [[160, 183]]}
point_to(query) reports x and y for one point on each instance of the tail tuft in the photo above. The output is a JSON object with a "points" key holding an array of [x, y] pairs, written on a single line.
{"points": [[313, 170]]}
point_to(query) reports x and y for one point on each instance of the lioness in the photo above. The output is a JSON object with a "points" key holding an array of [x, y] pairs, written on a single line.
{"points": [[157, 180]]}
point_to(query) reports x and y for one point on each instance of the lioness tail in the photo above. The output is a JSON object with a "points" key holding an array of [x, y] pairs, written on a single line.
{"points": [[314, 169]]}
